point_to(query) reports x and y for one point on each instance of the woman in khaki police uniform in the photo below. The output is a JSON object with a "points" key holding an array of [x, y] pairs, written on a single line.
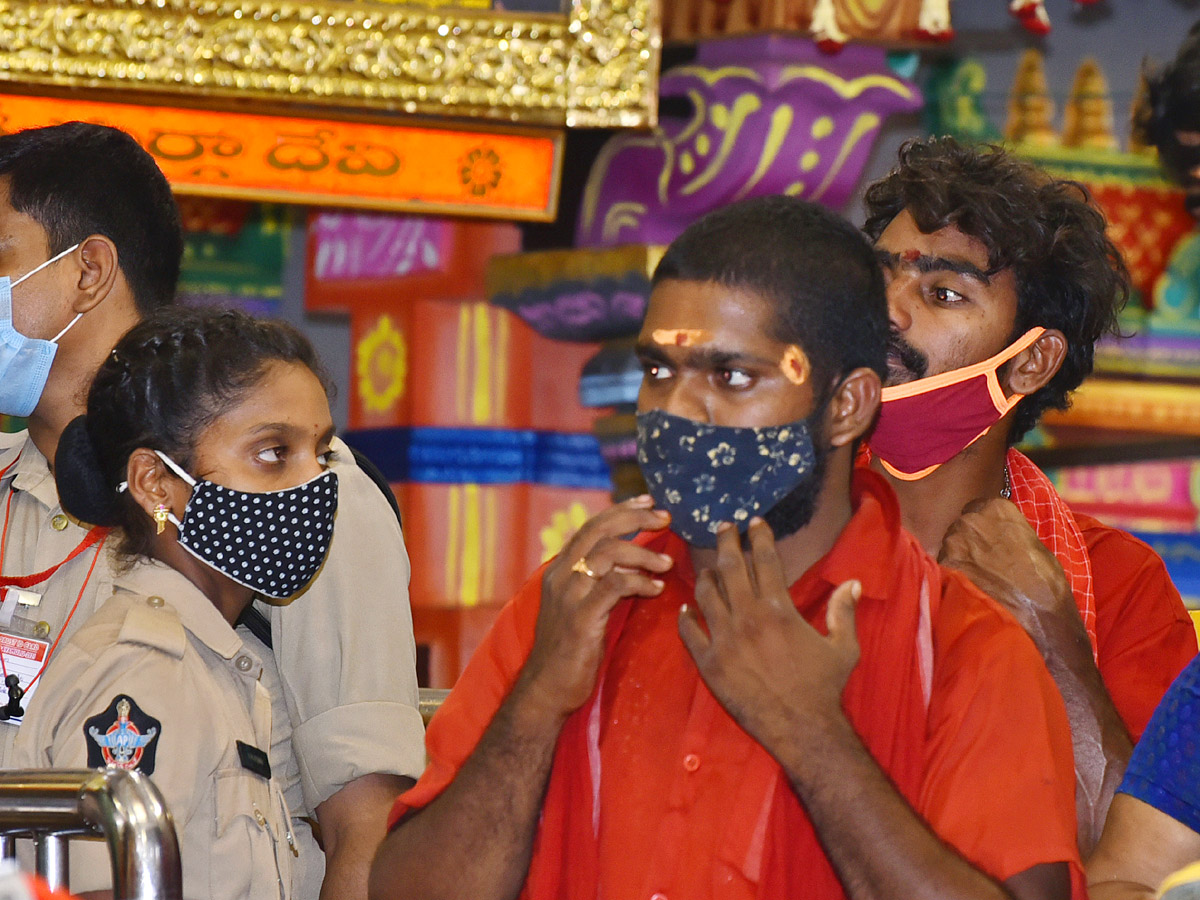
{"points": [[206, 447]]}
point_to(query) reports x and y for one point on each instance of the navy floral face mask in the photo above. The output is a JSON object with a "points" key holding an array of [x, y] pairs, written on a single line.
{"points": [[704, 475]]}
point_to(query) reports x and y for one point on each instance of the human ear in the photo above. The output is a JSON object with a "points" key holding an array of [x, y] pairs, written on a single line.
{"points": [[853, 407], [1032, 368], [151, 484], [98, 270]]}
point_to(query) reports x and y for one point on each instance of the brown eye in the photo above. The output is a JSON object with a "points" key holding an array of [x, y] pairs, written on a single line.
{"points": [[656, 371], [735, 378]]}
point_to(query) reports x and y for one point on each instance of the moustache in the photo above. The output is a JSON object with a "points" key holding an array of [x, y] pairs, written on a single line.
{"points": [[912, 359]]}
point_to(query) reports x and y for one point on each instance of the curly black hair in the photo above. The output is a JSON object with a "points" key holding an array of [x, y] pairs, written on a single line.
{"points": [[1173, 105], [1069, 275], [170, 377]]}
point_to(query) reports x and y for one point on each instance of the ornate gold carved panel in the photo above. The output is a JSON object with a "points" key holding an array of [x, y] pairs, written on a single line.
{"points": [[596, 66]]}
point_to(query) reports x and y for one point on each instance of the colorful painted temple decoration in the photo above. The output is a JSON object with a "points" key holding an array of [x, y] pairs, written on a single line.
{"points": [[770, 114], [830, 23], [234, 253], [471, 414], [833, 23]]}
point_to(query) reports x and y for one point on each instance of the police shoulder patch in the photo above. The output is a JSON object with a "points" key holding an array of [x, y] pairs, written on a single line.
{"points": [[122, 736]]}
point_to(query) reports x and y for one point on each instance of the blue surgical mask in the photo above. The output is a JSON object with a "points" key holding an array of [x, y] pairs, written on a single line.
{"points": [[704, 475], [24, 361]]}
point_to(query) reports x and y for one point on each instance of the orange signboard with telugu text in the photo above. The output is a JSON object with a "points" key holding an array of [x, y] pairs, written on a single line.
{"points": [[510, 174]]}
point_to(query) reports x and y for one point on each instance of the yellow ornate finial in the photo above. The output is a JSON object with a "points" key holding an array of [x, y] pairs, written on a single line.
{"points": [[1088, 117], [1030, 109]]}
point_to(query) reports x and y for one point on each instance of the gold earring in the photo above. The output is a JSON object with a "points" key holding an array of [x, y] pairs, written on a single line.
{"points": [[160, 517]]}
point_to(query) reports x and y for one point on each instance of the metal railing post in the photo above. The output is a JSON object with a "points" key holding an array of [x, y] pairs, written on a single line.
{"points": [[126, 808], [50, 853]]}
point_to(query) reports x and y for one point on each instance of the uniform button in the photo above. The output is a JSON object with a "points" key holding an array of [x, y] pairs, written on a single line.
{"points": [[259, 817], [59, 522], [154, 601], [658, 895], [691, 762], [243, 663]]}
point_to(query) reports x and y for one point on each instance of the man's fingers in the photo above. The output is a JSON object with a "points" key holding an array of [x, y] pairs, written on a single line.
{"points": [[736, 579], [624, 518], [692, 632], [839, 618], [712, 605], [614, 553], [768, 568], [607, 591]]}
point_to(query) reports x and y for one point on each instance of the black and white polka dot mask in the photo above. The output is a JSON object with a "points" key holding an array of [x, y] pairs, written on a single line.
{"points": [[273, 542]]}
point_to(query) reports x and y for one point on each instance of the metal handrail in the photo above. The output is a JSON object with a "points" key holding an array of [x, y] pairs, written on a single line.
{"points": [[430, 701], [50, 805]]}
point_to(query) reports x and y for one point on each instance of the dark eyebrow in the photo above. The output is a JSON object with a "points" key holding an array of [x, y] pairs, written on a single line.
{"points": [[648, 351], [926, 264], [292, 430], [700, 357]]}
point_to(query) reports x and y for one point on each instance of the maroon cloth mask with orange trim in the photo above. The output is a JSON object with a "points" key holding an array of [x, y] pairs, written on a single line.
{"points": [[925, 423]]}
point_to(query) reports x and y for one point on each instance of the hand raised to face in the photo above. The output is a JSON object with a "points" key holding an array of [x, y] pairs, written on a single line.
{"points": [[596, 569], [772, 671]]}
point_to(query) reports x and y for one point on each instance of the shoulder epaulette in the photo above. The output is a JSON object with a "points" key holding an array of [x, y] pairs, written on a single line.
{"points": [[154, 623]]}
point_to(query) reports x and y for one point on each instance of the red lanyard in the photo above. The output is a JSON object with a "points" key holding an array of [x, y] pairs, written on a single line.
{"points": [[63, 630], [96, 535]]}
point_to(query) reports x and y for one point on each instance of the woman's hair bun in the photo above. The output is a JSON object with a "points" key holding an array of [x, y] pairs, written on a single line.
{"points": [[82, 488]]}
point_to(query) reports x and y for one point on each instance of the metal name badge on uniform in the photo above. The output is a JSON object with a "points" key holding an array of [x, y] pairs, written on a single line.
{"points": [[24, 649]]}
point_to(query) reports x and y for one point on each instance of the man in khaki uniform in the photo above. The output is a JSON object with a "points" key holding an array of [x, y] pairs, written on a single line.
{"points": [[346, 736]]}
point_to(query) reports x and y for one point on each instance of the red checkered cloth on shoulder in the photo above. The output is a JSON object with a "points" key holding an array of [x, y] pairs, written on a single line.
{"points": [[1056, 528]]}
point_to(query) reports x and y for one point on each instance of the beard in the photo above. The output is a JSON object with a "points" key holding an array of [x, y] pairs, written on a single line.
{"points": [[904, 361], [796, 509]]}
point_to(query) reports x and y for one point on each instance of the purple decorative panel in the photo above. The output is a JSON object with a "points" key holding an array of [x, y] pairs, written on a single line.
{"points": [[355, 246], [770, 114]]}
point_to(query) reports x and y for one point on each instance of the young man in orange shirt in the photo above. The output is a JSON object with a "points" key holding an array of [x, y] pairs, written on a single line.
{"points": [[1000, 280], [772, 690]]}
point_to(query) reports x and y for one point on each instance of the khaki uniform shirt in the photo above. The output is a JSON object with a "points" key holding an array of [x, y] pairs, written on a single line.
{"points": [[342, 675], [158, 666]]}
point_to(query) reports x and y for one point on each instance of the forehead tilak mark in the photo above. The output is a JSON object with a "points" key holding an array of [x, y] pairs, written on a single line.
{"points": [[680, 337]]}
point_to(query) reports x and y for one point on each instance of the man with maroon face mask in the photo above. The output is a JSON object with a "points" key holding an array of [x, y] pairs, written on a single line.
{"points": [[1000, 280]]}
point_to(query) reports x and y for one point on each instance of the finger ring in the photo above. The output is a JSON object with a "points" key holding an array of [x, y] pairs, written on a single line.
{"points": [[583, 568]]}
